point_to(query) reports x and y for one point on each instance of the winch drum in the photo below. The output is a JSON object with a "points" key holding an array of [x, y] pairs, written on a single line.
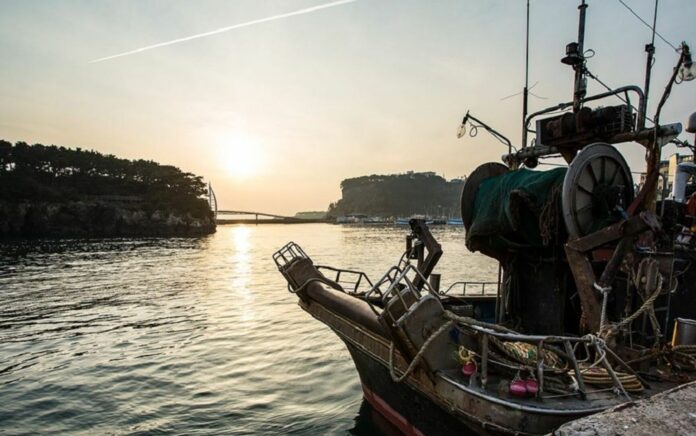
{"points": [[597, 172]]}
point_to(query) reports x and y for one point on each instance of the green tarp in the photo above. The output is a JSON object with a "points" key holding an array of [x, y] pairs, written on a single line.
{"points": [[516, 210]]}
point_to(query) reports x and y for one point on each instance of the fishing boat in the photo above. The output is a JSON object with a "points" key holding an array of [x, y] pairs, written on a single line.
{"points": [[595, 302]]}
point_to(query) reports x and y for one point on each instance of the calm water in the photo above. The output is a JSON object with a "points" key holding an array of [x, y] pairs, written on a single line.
{"points": [[186, 335]]}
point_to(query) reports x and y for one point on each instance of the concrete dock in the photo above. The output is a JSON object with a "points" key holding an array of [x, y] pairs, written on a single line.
{"points": [[670, 413]]}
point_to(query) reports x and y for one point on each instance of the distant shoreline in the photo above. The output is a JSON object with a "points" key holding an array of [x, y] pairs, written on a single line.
{"points": [[58, 192], [95, 219]]}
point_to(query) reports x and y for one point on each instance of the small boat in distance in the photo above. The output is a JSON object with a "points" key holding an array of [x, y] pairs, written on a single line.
{"points": [[455, 222]]}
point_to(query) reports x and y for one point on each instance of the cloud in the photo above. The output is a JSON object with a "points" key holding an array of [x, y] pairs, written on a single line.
{"points": [[224, 29]]}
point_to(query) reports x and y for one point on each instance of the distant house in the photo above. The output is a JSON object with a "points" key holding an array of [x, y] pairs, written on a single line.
{"points": [[668, 168]]}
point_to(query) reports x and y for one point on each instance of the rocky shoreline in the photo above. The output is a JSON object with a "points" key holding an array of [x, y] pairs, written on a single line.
{"points": [[94, 219]]}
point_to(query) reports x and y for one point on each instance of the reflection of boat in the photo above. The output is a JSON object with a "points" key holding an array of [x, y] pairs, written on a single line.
{"points": [[455, 222], [591, 286]]}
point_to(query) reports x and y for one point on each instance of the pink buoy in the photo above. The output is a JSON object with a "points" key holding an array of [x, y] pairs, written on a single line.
{"points": [[518, 388], [469, 368], [532, 386]]}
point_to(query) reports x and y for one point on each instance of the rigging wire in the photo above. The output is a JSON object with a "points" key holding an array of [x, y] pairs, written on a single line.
{"points": [[521, 92], [608, 88], [649, 26]]}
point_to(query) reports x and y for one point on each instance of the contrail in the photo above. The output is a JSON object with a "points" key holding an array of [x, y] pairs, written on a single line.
{"points": [[224, 29]]}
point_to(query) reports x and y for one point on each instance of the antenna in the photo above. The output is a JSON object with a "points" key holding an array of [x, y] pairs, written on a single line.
{"points": [[650, 49], [580, 81], [525, 92]]}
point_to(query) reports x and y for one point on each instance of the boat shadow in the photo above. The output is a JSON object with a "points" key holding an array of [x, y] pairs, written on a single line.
{"points": [[369, 421]]}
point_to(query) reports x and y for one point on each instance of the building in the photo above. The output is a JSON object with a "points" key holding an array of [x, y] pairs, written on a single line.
{"points": [[668, 168]]}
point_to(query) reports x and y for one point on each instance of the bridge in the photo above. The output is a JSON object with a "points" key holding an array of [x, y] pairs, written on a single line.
{"points": [[251, 217], [265, 218], [256, 214]]}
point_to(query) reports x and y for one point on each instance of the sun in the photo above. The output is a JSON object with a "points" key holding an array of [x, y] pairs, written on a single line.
{"points": [[240, 155]]}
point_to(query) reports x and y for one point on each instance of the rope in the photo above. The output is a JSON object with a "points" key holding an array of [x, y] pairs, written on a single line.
{"points": [[612, 329], [419, 355], [471, 321]]}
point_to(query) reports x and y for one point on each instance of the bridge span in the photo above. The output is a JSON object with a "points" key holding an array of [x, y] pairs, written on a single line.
{"points": [[265, 218], [251, 217]]}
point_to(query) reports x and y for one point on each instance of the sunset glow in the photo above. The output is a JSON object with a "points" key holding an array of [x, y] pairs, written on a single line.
{"points": [[240, 156]]}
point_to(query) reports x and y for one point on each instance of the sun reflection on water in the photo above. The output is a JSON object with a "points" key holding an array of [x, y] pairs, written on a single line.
{"points": [[241, 272]]}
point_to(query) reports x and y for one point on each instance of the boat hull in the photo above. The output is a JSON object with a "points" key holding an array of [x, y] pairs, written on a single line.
{"points": [[404, 407], [432, 405]]}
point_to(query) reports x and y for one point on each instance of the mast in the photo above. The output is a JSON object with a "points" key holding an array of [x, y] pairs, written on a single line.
{"points": [[525, 92], [579, 67], [650, 49]]}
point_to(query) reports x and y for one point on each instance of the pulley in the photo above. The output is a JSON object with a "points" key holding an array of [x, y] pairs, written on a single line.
{"points": [[597, 189]]}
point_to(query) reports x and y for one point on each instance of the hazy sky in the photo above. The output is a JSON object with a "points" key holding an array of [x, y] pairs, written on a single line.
{"points": [[278, 113]]}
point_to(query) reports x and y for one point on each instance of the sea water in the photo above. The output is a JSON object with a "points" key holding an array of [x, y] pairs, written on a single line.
{"points": [[188, 336]]}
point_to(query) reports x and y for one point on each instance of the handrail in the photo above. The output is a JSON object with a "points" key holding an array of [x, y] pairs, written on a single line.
{"points": [[562, 106], [540, 341], [337, 278], [465, 285]]}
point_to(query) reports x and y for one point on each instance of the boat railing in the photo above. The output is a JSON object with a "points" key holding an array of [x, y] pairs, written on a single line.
{"points": [[563, 346], [353, 282], [287, 254], [401, 292], [473, 288]]}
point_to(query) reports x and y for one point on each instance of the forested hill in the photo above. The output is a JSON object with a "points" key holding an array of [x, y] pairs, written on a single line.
{"points": [[398, 195], [57, 191]]}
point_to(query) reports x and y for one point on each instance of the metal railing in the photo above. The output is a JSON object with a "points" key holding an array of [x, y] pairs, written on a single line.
{"points": [[287, 254], [348, 279], [401, 294], [482, 288]]}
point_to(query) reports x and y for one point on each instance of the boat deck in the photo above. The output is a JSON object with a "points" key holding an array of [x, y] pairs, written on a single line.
{"points": [[598, 399]]}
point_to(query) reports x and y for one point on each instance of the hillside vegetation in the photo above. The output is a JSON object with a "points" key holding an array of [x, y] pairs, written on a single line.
{"points": [[398, 195], [57, 191]]}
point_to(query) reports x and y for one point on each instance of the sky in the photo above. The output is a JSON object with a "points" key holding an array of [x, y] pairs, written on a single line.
{"points": [[277, 113]]}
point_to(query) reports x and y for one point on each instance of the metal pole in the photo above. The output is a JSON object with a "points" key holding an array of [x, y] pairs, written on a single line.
{"points": [[580, 83], [525, 93], [650, 49], [498, 302]]}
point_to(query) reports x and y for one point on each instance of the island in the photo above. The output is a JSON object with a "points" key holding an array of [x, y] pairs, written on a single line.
{"points": [[59, 192], [399, 195]]}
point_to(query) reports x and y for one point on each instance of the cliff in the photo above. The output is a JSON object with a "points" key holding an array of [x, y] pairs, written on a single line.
{"points": [[95, 219], [398, 195]]}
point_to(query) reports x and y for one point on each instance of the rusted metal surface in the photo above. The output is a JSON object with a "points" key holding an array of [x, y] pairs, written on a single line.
{"points": [[584, 281], [424, 241], [583, 273], [632, 226]]}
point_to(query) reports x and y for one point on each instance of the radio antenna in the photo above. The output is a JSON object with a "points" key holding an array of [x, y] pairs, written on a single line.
{"points": [[525, 92], [650, 49]]}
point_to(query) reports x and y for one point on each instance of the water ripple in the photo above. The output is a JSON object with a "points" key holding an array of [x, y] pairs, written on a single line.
{"points": [[194, 336]]}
